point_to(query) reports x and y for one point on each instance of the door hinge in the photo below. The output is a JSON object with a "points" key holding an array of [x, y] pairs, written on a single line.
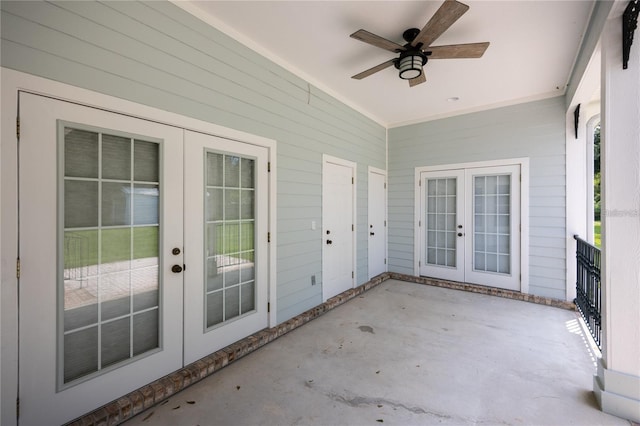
{"points": [[419, 263], [419, 223], [18, 268], [385, 261], [269, 167], [17, 407], [18, 127], [353, 180], [353, 275], [268, 237], [268, 307], [420, 183], [385, 223], [385, 185], [352, 228]]}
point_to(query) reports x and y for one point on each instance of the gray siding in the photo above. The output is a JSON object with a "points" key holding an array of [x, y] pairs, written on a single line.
{"points": [[535, 130], [156, 54]]}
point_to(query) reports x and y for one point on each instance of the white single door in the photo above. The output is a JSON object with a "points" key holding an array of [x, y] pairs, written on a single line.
{"points": [[338, 227], [377, 222], [100, 214], [470, 225], [226, 197], [442, 224]]}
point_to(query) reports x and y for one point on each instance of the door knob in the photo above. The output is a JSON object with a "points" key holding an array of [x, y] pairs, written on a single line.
{"points": [[328, 232], [175, 251], [329, 242], [460, 234], [372, 233], [176, 269], [459, 226]]}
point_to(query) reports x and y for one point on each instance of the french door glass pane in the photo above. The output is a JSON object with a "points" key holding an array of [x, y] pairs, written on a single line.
{"points": [[441, 221], [110, 281], [230, 241], [492, 223]]}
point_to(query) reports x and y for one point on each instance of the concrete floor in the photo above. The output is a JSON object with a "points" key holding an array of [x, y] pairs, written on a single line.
{"points": [[406, 354]]}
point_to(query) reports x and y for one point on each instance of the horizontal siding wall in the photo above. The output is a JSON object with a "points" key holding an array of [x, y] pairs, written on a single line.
{"points": [[535, 130], [156, 54]]}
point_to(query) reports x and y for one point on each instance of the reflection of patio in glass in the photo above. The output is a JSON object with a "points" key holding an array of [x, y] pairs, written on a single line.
{"points": [[110, 315], [81, 288]]}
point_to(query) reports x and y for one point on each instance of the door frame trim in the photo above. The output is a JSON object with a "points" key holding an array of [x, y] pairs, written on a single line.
{"points": [[523, 162], [12, 82], [382, 172], [354, 192]]}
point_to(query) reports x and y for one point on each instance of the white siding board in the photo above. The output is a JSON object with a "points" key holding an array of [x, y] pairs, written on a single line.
{"points": [[546, 221], [301, 305], [542, 252], [536, 241], [289, 250], [535, 130]]}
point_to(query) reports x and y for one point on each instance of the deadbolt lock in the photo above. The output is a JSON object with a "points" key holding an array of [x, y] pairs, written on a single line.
{"points": [[175, 251]]}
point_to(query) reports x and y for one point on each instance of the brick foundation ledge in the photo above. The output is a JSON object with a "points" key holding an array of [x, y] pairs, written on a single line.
{"points": [[134, 403], [492, 291]]}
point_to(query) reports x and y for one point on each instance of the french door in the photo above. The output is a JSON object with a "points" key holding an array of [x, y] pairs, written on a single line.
{"points": [[142, 250], [226, 198], [470, 225]]}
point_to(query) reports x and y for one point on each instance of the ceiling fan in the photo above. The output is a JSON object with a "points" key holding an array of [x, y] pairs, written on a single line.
{"points": [[418, 49]]}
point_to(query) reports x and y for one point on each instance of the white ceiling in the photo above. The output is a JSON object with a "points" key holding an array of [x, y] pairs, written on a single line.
{"points": [[533, 48]]}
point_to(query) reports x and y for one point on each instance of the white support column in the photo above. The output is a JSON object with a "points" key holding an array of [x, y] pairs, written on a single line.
{"points": [[617, 383]]}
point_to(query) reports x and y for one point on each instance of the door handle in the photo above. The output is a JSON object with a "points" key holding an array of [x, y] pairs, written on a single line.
{"points": [[372, 233], [460, 234], [329, 242], [176, 269], [175, 251]]}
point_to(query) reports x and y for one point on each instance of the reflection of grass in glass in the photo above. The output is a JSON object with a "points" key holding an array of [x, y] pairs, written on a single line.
{"points": [[81, 247], [234, 239], [596, 233]]}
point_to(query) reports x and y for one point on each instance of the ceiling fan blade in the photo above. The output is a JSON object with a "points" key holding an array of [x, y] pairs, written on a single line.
{"points": [[374, 70], [418, 80], [448, 13], [455, 51], [375, 40]]}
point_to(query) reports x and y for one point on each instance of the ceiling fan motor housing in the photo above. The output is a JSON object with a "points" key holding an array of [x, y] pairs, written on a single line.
{"points": [[410, 34]]}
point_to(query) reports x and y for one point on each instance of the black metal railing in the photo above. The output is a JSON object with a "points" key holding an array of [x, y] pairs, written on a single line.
{"points": [[588, 294]]}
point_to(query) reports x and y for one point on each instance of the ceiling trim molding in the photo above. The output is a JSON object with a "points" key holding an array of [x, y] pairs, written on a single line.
{"points": [[488, 107], [258, 49]]}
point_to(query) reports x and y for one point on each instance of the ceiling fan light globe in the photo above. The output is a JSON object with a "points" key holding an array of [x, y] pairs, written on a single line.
{"points": [[410, 67]]}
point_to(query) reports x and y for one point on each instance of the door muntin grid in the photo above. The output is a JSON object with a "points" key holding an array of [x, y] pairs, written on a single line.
{"points": [[492, 223], [230, 208], [109, 284], [441, 221]]}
